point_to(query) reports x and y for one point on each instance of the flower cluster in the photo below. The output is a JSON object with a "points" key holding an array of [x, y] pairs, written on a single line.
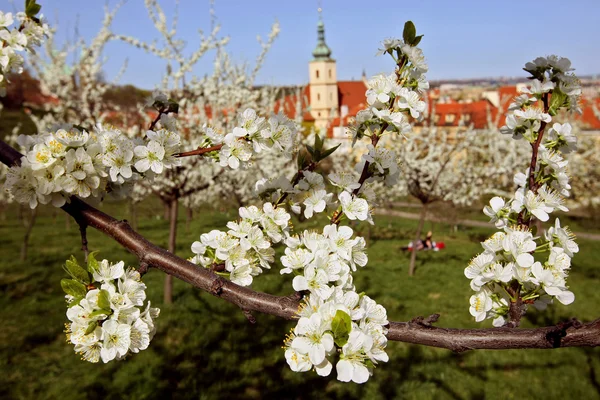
{"points": [[507, 258], [308, 194], [106, 310], [334, 318], [29, 35], [71, 161], [529, 110], [507, 271], [383, 165], [252, 134], [391, 98], [245, 249]]}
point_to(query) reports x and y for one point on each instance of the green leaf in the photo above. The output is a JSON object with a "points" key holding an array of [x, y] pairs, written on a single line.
{"points": [[341, 326], [72, 287], [91, 327], [100, 312], [310, 150], [417, 40], [173, 107], [557, 100], [318, 142], [31, 8], [158, 106], [92, 263], [409, 32], [77, 272], [75, 302], [104, 299], [301, 160], [329, 152]]}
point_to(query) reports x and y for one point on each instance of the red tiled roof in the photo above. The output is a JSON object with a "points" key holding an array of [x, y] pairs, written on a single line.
{"points": [[508, 91], [588, 119], [289, 102], [352, 94], [476, 112]]}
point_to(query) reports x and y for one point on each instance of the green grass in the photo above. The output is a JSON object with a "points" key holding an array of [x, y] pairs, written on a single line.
{"points": [[11, 118], [205, 348]]}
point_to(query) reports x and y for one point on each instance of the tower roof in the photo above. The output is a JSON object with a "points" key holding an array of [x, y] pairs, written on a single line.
{"points": [[322, 52]]}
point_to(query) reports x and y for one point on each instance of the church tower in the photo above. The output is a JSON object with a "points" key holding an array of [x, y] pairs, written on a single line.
{"points": [[322, 80]]}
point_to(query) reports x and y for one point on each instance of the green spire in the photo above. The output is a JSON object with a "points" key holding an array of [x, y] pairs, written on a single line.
{"points": [[321, 52]]}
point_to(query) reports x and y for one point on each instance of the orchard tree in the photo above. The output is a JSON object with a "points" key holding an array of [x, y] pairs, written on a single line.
{"points": [[75, 89], [207, 107], [109, 318], [441, 166], [585, 174]]}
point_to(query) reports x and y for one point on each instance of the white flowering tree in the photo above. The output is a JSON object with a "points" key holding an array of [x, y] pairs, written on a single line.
{"points": [[335, 323], [585, 174], [207, 107], [438, 165], [75, 88]]}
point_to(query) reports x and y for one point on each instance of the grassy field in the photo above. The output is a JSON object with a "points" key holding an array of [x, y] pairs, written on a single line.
{"points": [[205, 348]]}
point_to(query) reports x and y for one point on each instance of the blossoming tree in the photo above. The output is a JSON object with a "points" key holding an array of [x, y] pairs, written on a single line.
{"points": [[335, 323], [206, 106], [438, 165]]}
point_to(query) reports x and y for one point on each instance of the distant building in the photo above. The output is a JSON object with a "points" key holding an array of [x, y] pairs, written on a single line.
{"points": [[330, 104]]}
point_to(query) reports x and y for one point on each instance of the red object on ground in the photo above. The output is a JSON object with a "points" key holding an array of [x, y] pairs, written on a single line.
{"points": [[436, 246]]}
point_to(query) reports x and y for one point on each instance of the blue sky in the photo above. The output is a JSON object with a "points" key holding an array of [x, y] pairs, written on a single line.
{"points": [[463, 39]]}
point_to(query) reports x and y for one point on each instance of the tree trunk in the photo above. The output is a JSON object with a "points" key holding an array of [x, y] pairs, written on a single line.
{"points": [[28, 227], [413, 256], [167, 211], [189, 213], [173, 210], [133, 215]]}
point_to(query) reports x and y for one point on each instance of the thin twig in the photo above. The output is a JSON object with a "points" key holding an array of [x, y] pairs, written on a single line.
{"points": [[84, 241], [199, 152], [516, 308], [143, 268], [153, 123]]}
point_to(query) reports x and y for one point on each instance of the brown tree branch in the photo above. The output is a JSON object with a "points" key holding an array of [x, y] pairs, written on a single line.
{"points": [[84, 241], [569, 334], [199, 151]]}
